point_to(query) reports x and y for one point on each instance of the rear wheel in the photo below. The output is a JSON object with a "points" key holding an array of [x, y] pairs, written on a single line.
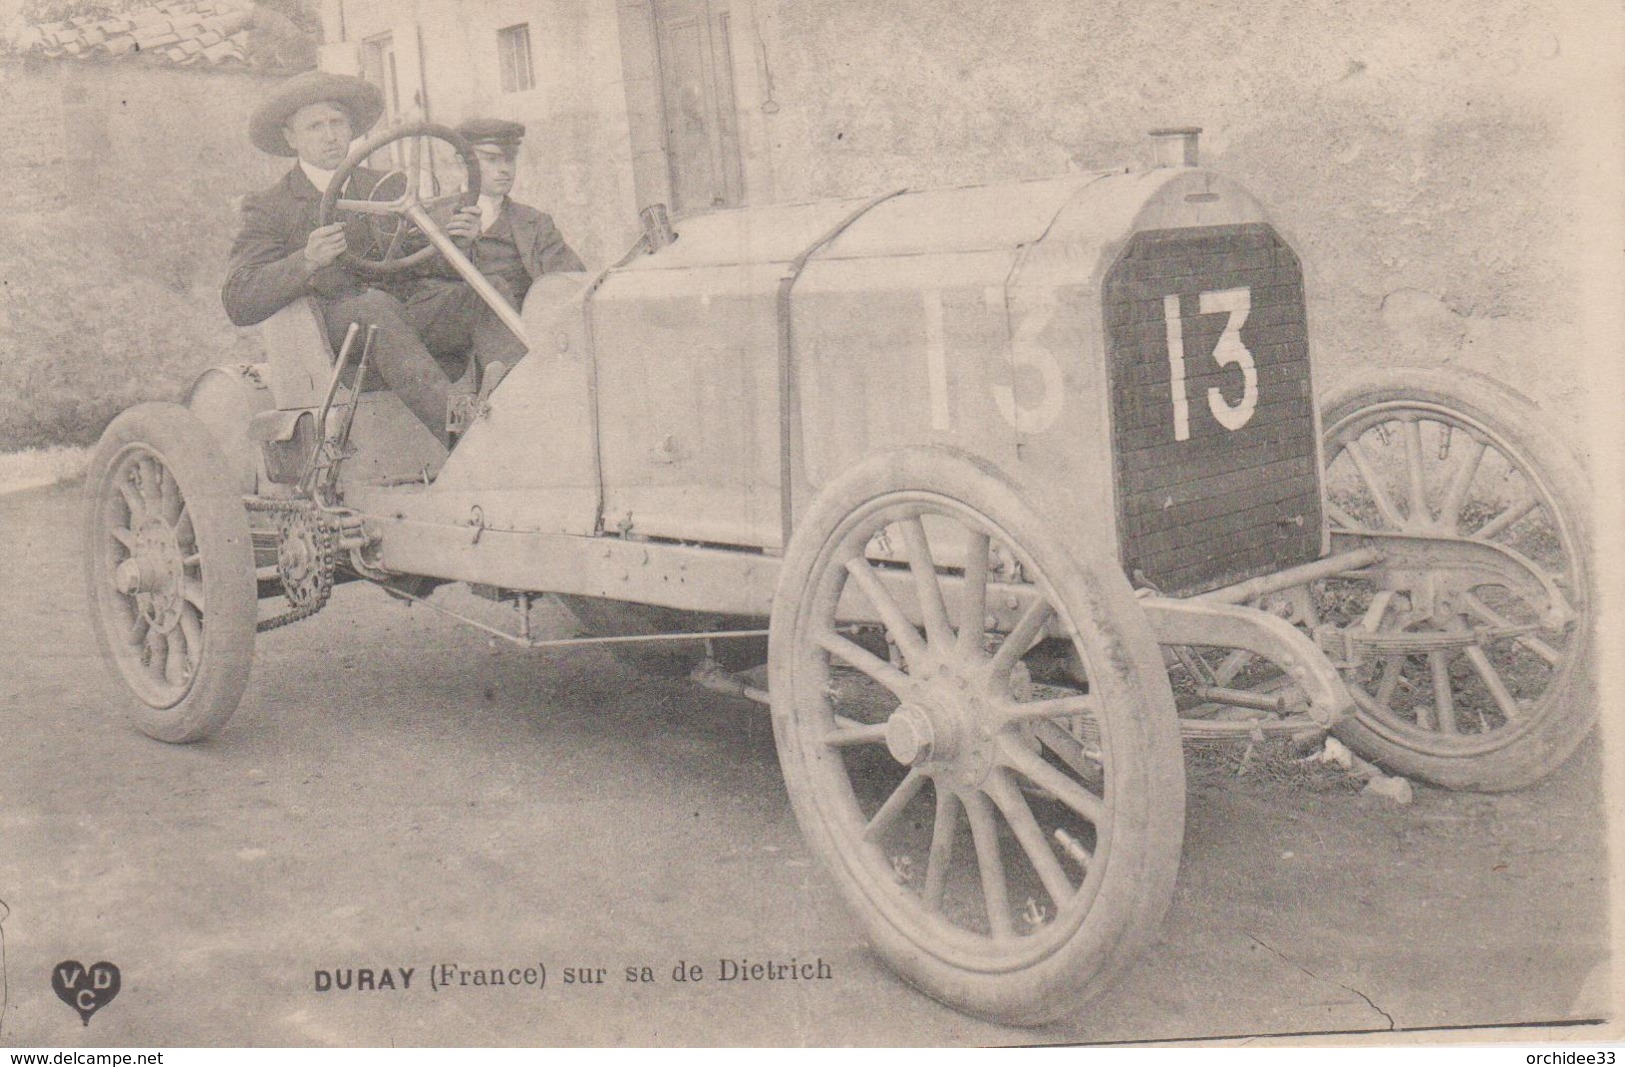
{"points": [[1475, 690], [170, 572], [1008, 844]]}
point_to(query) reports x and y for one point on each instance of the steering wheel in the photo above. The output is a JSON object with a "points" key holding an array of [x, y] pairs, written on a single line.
{"points": [[406, 206]]}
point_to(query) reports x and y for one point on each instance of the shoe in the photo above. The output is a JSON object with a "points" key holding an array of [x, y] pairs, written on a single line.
{"points": [[494, 373]]}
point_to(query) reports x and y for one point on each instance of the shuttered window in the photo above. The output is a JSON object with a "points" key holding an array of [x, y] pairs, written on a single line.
{"points": [[513, 48]]}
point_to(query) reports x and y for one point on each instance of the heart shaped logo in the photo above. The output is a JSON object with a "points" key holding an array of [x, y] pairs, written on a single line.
{"points": [[85, 989]]}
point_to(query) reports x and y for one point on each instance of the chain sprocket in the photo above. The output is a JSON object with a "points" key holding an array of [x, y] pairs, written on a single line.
{"points": [[308, 542]]}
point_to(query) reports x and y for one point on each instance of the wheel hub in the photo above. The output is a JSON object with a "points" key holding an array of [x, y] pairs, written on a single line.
{"points": [[947, 732], [153, 574]]}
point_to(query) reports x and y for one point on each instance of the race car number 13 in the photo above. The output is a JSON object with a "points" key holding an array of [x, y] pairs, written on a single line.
{"points": [[1229, 351]]}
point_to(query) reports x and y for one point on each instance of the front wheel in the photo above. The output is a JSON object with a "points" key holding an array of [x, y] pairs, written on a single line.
{"points": [[1009, 844], [1477, 690], [170, 571]]}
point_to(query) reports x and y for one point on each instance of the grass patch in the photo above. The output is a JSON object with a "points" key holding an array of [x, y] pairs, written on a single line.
{"points": [[95, 320], [1277, 761]]}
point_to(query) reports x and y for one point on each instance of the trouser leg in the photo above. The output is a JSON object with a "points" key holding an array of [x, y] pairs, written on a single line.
{"points": [[453, 320], [399, 354]]}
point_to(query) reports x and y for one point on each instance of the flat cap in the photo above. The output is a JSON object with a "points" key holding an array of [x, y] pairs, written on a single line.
{"points": [[492, 131], [362, 100]]}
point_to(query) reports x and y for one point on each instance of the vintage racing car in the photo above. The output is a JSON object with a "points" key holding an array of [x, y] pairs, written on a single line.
{"points": [[1020, 482]]}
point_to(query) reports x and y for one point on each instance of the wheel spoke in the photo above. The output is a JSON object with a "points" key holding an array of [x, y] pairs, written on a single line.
{"points": [[984, 834], [1501, 522], [1492, 681], [1343, 520], [192, 633], [898, 628], [1534, 644], [944, 828], [1391, 668], [139, 631], [157, 650], [184, 532], [1054, 707], [1379, 496], [169, 496], [1029, 836], [1372, 620], [1046, 777], [861, 659], [938, 630], [175, 661], [906, 790], [1236, 661], [192, 590], [1455, 496], [973, 595], [132, 501], [1411, 430], [152, 495], [1021, 637], [1069, 750], [849, 732], [124, 537], [1444, 701]]}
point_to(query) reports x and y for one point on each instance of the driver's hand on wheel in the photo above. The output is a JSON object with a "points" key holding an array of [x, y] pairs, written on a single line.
{"points": [[324, 245], [465, 224]]}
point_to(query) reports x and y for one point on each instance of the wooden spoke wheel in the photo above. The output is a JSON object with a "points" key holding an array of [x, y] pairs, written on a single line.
{"points": [[1008, 844], [170, 571], [1463, 681]]}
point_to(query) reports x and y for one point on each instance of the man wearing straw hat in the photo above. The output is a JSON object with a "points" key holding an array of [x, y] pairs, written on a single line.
{"points": [[281, 254]]}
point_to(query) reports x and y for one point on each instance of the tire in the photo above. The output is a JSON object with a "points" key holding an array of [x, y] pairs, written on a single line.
{"points": [[169, 571], [1439, 716], [667, 659], [1104, 768]]}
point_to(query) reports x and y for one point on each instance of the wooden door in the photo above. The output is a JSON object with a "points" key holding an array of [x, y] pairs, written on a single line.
{"points": [[697, 96]]}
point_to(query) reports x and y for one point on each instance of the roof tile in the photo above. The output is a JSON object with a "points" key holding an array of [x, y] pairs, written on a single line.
{"points": [[174, 31]]}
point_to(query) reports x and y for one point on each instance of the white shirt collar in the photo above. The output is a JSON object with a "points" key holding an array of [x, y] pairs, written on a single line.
{"points": [[318, 177], [490, 208]]}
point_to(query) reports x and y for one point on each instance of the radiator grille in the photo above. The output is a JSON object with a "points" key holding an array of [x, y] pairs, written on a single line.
{"points": [[1201, 504]]}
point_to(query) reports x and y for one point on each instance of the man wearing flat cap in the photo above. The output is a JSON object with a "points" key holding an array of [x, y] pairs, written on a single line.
{"points": [[281, 254], [513, 243]]}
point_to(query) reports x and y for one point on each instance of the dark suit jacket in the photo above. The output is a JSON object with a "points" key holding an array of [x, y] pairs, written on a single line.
{"points": [[267, 270], [541, 246]]}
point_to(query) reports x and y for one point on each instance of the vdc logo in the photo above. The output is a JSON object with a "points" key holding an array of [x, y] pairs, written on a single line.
{"points": [[85, 989]]}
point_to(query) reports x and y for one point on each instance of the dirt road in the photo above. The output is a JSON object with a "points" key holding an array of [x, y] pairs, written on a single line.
{"points": [[397, 795]]}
